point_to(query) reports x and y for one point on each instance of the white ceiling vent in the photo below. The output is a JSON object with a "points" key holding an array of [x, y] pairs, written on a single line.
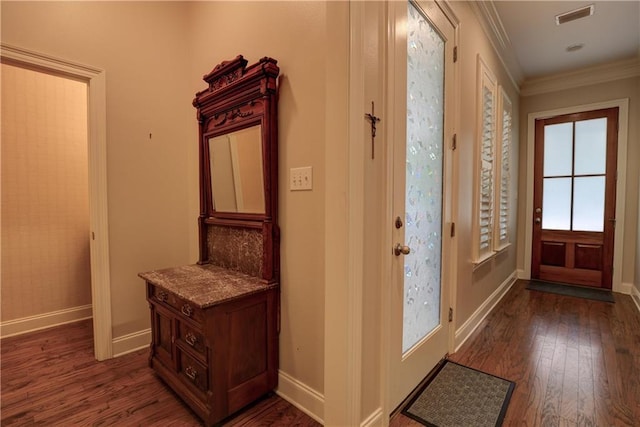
{"points": [[583, 12]]}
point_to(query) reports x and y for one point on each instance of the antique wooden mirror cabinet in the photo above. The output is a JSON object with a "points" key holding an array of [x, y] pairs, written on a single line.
{"points": [[215, 324]]}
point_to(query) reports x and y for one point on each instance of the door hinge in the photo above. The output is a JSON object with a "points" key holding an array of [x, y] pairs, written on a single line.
{"points": [[453, 229], [450, 314], [454, 143], [455, 54]]}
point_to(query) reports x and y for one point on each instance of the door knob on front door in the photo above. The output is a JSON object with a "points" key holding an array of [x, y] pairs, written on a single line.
{"points": [[401, 250], [538, 220]]}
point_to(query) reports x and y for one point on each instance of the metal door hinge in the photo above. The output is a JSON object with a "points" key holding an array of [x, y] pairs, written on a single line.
{"points": [[455, 53], [450, 314], [454, 143], [453, 229]]}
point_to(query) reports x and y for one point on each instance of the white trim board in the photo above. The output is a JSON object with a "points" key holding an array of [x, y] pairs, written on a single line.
{"points": [[626, 288], [300, 395], [623, 129], [374, 419], [635, 296], [466, 330], [585, 77], [131, 342], [97, 150], [28, 324], [493, 27]]}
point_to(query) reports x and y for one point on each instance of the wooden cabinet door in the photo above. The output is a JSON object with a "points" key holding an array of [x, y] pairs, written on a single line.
{"points": [[163, 335], [574, 198]]}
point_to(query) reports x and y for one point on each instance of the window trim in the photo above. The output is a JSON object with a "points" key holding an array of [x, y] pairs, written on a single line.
{"points": [[485, 80]]}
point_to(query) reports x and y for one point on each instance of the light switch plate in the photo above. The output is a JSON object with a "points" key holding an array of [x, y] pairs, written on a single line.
{"points": [[301, 178]]}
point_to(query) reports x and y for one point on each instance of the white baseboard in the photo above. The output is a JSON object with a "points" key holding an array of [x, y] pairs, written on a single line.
{"points": [[635, 296], [521, 274], [465, 331], [625, 288], [301, 396], [373, 420], [131, 342], [46, 320]]}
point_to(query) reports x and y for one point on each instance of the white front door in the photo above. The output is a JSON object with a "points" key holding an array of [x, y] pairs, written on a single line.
{"points": [[421, 103]]}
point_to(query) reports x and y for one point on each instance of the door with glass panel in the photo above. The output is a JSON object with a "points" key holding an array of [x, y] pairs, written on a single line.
{"points": [[574, 198], [422, 57]]}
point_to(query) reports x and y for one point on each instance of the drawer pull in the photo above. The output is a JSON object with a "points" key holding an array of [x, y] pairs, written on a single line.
{"points": [[191, 373], [161, 296], [191, 339], [187, 310]]}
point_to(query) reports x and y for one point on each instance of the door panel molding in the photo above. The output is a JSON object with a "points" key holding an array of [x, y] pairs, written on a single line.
{"points": [[97, 151], [623, 121]]}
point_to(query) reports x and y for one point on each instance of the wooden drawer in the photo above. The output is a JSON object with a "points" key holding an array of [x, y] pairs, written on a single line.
{"points": [[191, 338], [192, 372], [182, 306]]}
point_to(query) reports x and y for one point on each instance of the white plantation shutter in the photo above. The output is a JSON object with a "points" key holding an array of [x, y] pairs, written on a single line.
{"points": [[484, 224], [501, 233]]}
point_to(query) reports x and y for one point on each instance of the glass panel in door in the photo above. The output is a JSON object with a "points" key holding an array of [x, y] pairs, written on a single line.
{"points": [[424, 178]]}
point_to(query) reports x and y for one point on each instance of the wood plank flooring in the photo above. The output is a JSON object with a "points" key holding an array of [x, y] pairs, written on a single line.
{"points": [[575, 362], [51, 378]]}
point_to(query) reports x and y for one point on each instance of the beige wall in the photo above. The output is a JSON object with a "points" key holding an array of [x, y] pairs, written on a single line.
{"points": [[155, 54], [45, 206], [142, 48], [474, 287], [618, 89], [295, 34]]}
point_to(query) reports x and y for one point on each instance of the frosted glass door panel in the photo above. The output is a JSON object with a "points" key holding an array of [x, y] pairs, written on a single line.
{"points": [[588, 203], [423, 185], [591, 147], [558, 149], [556, 204]]}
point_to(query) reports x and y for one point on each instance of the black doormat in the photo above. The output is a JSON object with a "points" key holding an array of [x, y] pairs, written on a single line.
{"points": [[461, 396], [569, 290]]}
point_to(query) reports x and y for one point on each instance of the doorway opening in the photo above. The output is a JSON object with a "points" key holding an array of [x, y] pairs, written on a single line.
{"points": [[575, 171], [94, 79], [529, 211]]}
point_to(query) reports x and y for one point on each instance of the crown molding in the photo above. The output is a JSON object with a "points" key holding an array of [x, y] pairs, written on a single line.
{"points": [[492, 25], [584, 77]]}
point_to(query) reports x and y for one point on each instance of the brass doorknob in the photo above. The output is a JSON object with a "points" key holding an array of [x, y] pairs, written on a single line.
{"points": [[401, 249], [538, 220]]}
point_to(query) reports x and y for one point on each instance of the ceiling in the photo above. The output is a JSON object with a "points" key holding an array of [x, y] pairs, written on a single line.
{"points": [[612, 33]]}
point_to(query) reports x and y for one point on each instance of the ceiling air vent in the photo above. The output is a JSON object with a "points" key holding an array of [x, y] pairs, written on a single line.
{"points": [[583, 12]]}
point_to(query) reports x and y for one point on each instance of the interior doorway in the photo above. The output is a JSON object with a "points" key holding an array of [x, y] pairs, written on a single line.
{"points": [[620, 200], [97, 180], [575, 171], [46, 277]]}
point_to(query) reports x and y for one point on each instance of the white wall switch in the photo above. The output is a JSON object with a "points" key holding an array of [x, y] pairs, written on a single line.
{"points": [[301, 178]]}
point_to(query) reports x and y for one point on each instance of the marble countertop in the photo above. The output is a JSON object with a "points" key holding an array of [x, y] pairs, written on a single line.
{"points": [[205, 285]]}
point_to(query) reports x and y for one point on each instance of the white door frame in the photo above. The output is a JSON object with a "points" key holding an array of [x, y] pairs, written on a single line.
{"points": [[97, 156], [623, 128], [386, 268]]}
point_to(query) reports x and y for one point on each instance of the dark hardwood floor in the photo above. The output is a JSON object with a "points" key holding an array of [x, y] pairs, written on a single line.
{"points": [[51, 378], [575, 363]]}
